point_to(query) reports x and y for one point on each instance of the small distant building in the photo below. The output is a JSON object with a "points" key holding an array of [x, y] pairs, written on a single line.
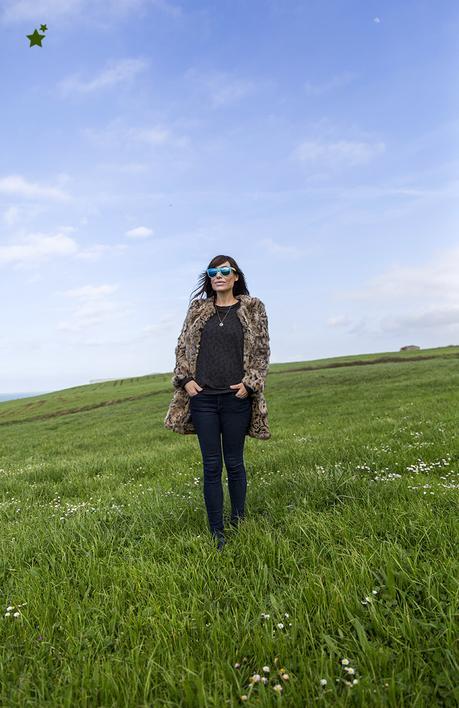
{"points": [[409, 346]]}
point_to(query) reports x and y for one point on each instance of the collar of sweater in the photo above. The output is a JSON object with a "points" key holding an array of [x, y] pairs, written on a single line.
{"points": [[208, 303]]}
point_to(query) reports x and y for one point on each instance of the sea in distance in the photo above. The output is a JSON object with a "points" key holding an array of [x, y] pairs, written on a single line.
{"points": [[13, 396]]}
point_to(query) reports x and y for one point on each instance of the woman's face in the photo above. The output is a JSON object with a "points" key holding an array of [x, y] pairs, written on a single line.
{"points": [[224, 283]]}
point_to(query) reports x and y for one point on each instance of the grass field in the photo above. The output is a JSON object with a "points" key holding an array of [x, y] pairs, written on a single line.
{"points": [[339, 589]]}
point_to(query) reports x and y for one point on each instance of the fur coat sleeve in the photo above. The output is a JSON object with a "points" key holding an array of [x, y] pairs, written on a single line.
{"points": [[181, 369], [260, 350]]}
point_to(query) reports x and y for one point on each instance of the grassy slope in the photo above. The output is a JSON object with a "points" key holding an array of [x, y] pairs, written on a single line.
{"points": [[104, 536]]}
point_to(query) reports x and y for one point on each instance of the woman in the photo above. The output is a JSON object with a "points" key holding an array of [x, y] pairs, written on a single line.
{"points": [[222, 359]]}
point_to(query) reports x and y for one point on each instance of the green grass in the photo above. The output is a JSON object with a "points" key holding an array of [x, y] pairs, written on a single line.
{"points": [[125, 601]]}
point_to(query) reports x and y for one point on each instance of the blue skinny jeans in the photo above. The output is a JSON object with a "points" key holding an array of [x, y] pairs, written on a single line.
{"points": [[222, 419]]}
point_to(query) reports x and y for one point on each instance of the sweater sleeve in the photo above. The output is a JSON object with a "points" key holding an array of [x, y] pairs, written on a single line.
{"points": [[184, 381]]}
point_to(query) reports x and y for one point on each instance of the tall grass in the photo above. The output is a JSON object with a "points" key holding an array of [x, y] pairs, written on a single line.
{"points": [[342, 580]]}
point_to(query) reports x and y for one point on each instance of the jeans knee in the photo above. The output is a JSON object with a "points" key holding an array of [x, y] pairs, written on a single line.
{"points": [[234, 466], [212, 472]]}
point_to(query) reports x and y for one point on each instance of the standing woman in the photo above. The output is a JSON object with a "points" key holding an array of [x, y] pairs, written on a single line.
{"points": [[222, 359]]}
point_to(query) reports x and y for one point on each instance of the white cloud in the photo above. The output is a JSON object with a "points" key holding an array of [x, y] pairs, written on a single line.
{"points": [[168, 7], [279, 249], [406, 300], [224, 93], [18, 186], [67, 229], [30, 10], [164, 324], [88, 315], [116, 72], [37, 248], [430, 318], [95, 307], [341, 152], [128, 167], [397, 186], [368, 191], [336, 81], [93, 252], [58, 11], [11, 216], [155, 136], [221, 87], [115, 134], [139, 232], [339, 321], [91, 291], [436, 279]]}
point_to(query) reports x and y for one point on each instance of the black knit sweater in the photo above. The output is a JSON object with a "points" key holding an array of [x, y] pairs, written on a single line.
{"points": [[221, 353]]}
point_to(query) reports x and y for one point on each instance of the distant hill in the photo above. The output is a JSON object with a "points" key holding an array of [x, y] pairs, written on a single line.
{"points": [[118, 391], [14, 396]]}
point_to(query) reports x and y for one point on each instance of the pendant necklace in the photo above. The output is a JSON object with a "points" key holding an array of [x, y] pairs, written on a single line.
{"points": [[218, 315]]}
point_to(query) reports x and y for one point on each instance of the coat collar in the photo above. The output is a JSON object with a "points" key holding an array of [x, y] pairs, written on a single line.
{"points": [[208, 303], [243, 312]]}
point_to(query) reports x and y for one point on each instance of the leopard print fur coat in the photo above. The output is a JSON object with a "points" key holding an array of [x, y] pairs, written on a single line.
{"points": [[254, 321]]}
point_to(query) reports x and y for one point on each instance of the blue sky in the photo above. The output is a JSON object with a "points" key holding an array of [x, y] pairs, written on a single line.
{"points": [[315, 142]]}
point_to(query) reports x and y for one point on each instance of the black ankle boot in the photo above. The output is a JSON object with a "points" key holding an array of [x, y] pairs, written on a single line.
{"points": [[220, 536], [234, 522]]}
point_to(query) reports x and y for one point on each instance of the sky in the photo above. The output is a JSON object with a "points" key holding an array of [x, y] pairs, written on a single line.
{"points": [[315, 142]]}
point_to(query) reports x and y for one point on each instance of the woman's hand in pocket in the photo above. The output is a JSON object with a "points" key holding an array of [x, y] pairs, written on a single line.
{"points": [[192, 388], [241, 390]]}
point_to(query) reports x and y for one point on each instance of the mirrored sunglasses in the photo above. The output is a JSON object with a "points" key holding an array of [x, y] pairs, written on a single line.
{"points": [[225, 270]]}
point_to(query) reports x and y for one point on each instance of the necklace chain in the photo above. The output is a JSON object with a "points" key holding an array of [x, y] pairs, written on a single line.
{"points": [[218, 314]]}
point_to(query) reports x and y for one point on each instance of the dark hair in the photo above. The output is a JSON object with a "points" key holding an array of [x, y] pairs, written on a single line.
{"points": [[205, 285]]}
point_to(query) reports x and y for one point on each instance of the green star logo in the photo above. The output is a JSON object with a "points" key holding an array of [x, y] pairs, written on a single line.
{"points": [[36, 37]]}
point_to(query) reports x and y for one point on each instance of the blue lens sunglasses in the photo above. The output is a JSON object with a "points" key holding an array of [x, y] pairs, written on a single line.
{"points": [[226, 270]]}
